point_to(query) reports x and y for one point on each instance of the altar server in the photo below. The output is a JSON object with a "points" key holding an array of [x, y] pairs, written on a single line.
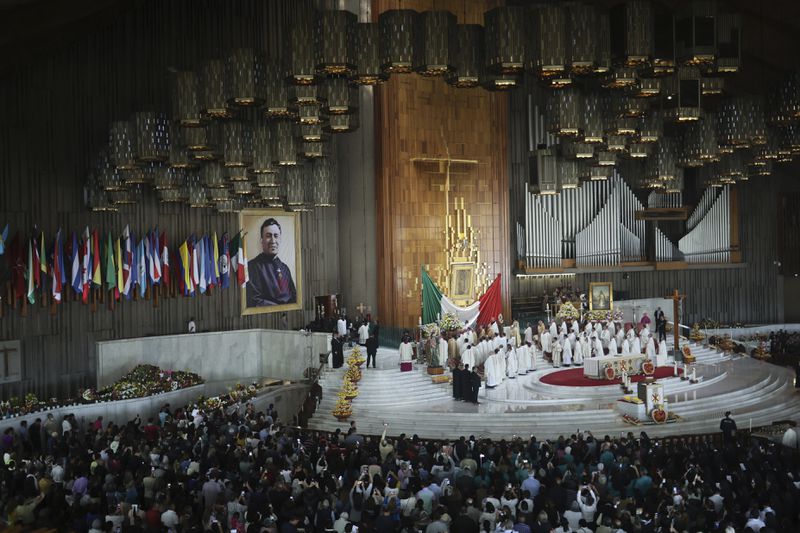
{"points": [[575, 327], [564, 329], [443, 349], [512, 364], [586, 348], [620, 336], [557, 348], [566, 352], [524, 359], [577, 356], [405, 352], [612, 347], [500, 365], [612, 328]]}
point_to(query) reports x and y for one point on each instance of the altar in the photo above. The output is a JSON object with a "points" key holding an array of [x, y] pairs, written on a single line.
{"points": [[594, 367]]}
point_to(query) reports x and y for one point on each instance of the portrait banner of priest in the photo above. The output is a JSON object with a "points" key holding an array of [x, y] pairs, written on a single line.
{"points": [[601, 296], [274, 267]]}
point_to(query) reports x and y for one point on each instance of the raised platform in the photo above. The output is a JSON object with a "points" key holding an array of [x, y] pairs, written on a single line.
{"points": [[756, 392]]}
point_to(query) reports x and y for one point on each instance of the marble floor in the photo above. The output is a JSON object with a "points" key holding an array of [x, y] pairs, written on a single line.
{"points": [[758, 393]]}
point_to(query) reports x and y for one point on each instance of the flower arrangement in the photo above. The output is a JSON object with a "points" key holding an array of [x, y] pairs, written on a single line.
{"points": [[603, 316], [144, 380], [356, 359], [353, 374], [631, 399], [430, 330], [696, 335], [568, 312], [761, 352], [350, 390], [450, 322], [343, 408]]}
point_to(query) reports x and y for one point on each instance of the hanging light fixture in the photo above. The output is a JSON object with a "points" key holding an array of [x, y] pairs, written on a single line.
{"points": [[267, 180], [108, 176], [731, 167], [325, 184], [650, 128], [568, 174], [313, 133], [620, 78], [244, 78], [152, 137], [565, 112], [619, 121], [593, 128], [396, 44], [505, 39], [301, 95], [205, 143], [309, 115], [299, 54], [661, 167], [769, 151], [262, 149], [708, 176], [731, 124], [687, 104], [340, 97], [218, 194], [498, 82], [185, 101], [196, 192], [434, 39], [213, 103], [607, 158], [548, 57], [646, 88], [242, 188], [790, 138], [96, 197], [341, 123], [638, 150], [632, 33], [235, 174], [674, 185], [711, 86], [582, 36], [121, 145], [696, 33], [178, 153], [134, 176], [314, 150], [295, 186], [367, 56], [755, 119], [688, 146], [603, 46], [663, 63], [576, 150], [598, 173], [616, 143], [285, 146], [468, 57], [544, 167], [729, 43], [270, 195], [335, 42], [212, 177], [276, 103], [170, 178]]}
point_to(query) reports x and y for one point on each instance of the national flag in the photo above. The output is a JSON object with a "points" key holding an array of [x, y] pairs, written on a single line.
{"points": [[185, 268], [224, 263], [194, 266], [435, 304], [77, 279], [164, 250], [235, 245], [243, 274], [212, 255], [118, 259], [127, 261], [31, 292], [111, 269], [239, 260], [201, 264], [38, 280], [148, 256], [58, 269], [86, 268], [16, 262], [134, 266], [97, 276], [141, 267], [3, 239], [155, 256], [42, 257]]}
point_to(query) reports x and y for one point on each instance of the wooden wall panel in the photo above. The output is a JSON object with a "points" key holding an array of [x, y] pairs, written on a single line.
{"points": [[423, 117], [54, 116]]}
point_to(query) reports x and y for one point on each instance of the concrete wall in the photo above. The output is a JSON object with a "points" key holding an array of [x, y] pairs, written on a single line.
{"points": [[219, 356]]}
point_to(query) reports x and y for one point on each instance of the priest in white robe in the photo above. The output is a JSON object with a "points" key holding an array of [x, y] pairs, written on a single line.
{"points": [[524, 359], [406, 352], [586, 348], [643, 335], [490, 370], [598, 328], [468, 357], [528, 334], [650, 350], [531, 357], [572, 340], [612, 328], [547, 347], [442, 345], [341, 327], [577, 356], [588, 328], [598, 347], [576, 328], [512, 364], [626, 347], [500, 364], [462, 345], [363, 333], [605, 337], [564, 329], [620, 336], [612, 347], [566, 352], [636, 346], [661, 357], [494, 327], [553, 331], [557, 353]]}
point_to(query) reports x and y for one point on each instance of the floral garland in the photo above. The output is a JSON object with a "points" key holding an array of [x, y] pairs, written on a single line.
{"points": [[568, 312], [603, 316], [349, 391], [238, 393], [450, 322]]}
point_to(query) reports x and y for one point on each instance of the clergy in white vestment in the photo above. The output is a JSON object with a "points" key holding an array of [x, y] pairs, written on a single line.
{"points": [[566, 353], [598, 347], [586, 348], [651, 348], [528, 334], [443, 351], [363, 333], [636, 346], [500, 364], [512, 364], [494, 327], [661, 358], [546, 342], [576, 328], [490, 370], [620, 336], [644, 334], [468, 357], [406, 353], [473, 337], [612, 347], [523, 359], [598, 328], [605, 337], [577, 355], [612, 328], [531, 356], [572, 340], [341, 327], [588, 327], [564, 329], [630, 334], [514, 334], [553, 331], [499, 342], [626, 347], [462, 345], [557, 353]]}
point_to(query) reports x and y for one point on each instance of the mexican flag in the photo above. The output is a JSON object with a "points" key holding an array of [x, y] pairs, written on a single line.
{"points": [[435, 304]]}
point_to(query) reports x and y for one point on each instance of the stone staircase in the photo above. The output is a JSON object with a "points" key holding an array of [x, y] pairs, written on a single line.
{"points": [[756, 392]]}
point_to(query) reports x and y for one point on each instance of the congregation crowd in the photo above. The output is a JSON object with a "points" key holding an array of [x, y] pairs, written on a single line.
{"points": [[240, 470]]}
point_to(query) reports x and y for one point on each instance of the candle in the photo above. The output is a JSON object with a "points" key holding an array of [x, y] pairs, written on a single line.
{"points": [[675, 369], [694, 374]]}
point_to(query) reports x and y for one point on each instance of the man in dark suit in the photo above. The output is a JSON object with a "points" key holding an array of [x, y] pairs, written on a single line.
{"points": [[661, 325], [474, 385], [337, 351], [372, 349], [457, 388]]}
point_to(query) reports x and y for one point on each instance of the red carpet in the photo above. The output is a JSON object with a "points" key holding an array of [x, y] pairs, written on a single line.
{"points": [[573, 377]]}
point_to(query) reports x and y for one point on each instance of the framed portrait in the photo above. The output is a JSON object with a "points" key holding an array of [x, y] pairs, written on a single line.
{"points": [[601, 296], [272, 237], [462, 277]]}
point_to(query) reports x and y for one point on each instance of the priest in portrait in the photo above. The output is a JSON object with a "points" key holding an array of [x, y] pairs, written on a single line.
{"points": [[271, 280]]}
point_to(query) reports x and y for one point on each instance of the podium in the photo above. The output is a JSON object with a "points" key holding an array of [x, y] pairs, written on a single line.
{"points": [[652, 394]]}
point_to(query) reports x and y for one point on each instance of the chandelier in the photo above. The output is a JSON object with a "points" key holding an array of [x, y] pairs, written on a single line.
{"points": [[396, 40], [467, 56], [367, 56], [335, 43], [505, 39], [436, 33]]}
